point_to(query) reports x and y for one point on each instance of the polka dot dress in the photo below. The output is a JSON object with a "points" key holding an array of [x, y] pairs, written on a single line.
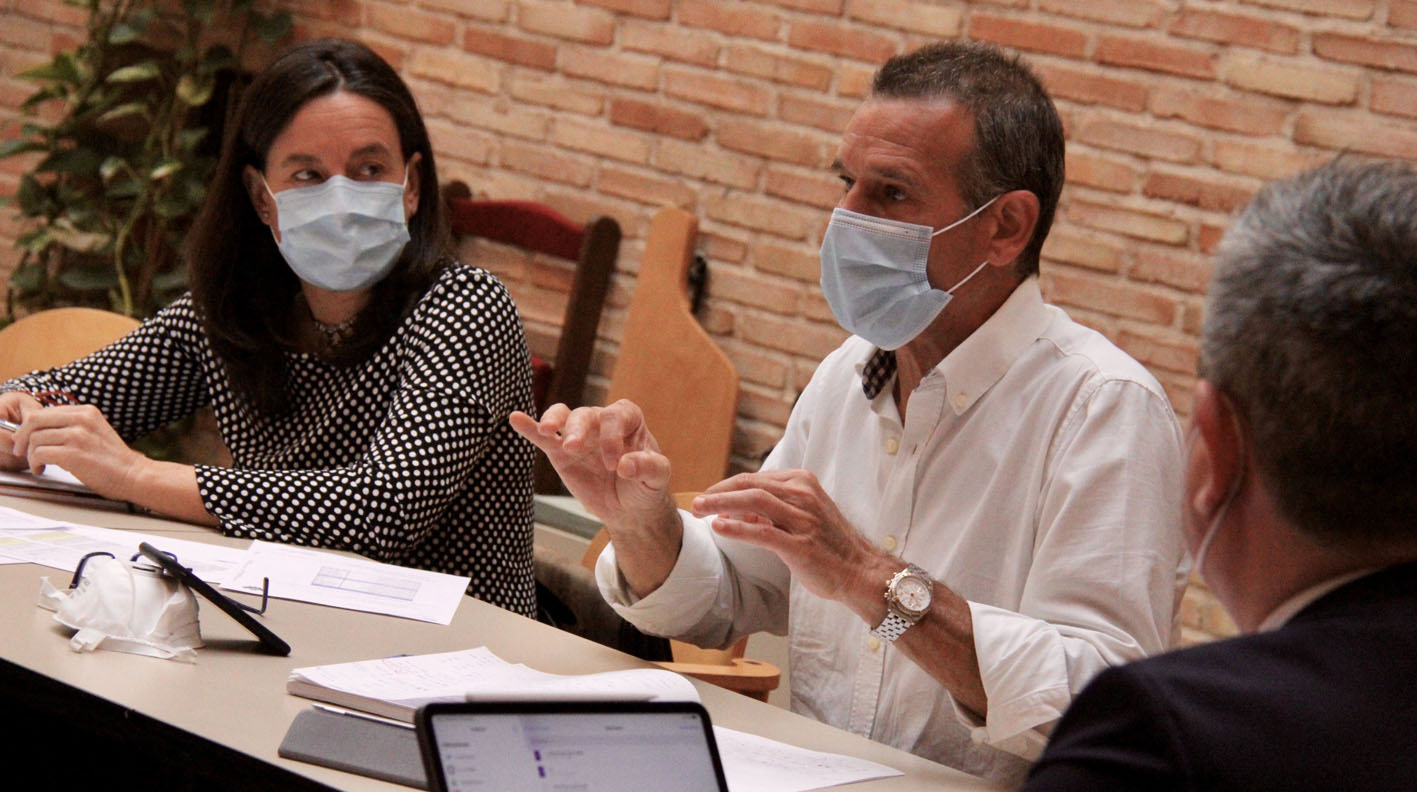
{"points": [[405, 458]]}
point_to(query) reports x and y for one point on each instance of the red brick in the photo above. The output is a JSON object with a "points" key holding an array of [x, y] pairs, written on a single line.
{"points": [[1236, 30], [1188, 271], [770, 216], [755, 365], [558, 94], [767, 407], [562, 20], [718, 245], [754, 290], [455, 68], [832, 7], [1144, 141], [1402, 13], [60, 14], [1207, 241], [633, 71], [1132, 13], [455, 141], [772, 141], [25, 33], [809, 111], [1032, 36], [545, 163], [1095, 171], [1382, 54], [649, 9], [818, 189], [1129, 222], [1341, 131], [409, 23], [795, 336], [1266, 161], [595, 138], [1201, 193], [733, 18], [513, 49], [1082, 249], [1150, 55], [488, 10], [1292, 80], [658, 119], [500, 115], [674, 43], [1394, 96], [646, 188], [1349, 9], [1116, 298], [920, 18], [696, 161], [1157, 352], [345, 12], [854, 80], [1091, 88], [790, 261], [1250, 115], [792, 70], [848, 41], [710, 89]]}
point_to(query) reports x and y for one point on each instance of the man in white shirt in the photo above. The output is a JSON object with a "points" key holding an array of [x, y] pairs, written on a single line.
{"points": [[1301, 506], [973, 508]]}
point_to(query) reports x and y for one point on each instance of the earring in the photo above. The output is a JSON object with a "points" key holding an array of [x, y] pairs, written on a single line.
{"points": [[265, 215]]}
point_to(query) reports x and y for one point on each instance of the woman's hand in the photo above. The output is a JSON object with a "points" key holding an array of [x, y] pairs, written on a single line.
{"points": [[80, 440], [14, 406]]}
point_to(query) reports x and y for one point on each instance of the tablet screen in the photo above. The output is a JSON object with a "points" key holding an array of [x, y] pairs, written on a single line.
{"points": [[586, 750]]}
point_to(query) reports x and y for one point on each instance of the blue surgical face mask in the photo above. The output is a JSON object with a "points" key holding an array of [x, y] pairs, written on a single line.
{"points": [[342, 234], [874, 276]]}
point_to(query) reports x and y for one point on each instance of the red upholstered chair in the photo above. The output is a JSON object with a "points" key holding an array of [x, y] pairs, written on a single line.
{"points": [[593, 247]]}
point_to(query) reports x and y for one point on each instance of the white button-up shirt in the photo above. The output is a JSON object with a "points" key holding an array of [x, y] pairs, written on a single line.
{"points": [[1037, 475]]}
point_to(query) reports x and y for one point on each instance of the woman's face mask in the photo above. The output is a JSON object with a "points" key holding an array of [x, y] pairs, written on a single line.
{"points": [[874, 276], [342, 234]]}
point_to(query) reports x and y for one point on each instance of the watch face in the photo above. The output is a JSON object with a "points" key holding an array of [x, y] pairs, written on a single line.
{"points": [[912, 594]]}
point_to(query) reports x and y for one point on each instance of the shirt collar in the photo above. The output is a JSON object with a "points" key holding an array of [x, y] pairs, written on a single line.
{"points": [[1290, 608], [976, 364]]}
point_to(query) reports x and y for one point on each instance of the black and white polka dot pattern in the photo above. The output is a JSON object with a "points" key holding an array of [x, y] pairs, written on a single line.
{"points": [[405, 458]]}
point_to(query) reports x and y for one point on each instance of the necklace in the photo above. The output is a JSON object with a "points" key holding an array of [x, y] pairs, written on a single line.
{"points": [[332, 334]]}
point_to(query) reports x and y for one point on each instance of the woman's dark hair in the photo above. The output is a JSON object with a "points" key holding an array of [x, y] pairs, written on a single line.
{"points": [[241, 286]]}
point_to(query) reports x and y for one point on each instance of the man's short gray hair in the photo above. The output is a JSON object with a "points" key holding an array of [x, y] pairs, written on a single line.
{"points": [[1311, 330]]}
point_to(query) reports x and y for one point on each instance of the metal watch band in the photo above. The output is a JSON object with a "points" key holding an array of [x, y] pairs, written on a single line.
{"points": [[892, 627]]}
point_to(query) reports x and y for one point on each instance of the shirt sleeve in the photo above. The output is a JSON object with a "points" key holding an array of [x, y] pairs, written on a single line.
{"points": [[1115, 737], [1107, 572], [463, 368], [144, 380]]}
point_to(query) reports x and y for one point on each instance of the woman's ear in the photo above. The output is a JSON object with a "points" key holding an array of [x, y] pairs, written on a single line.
{"points": [[261, 200], [410, 190]]}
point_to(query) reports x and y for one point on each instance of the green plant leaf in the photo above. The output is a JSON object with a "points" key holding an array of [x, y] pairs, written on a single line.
{"points": [[201, 10], [125, 110], [89, 278], [34, 241], [76, 160], [174, 279], [271, 27], [113, 166], [189, 139], [30, 195], [124, 33], [164, 169], [20, 146], [138, 72], [171, 206], [28, 278], [195, 91], [216, 58], [82, 241]]}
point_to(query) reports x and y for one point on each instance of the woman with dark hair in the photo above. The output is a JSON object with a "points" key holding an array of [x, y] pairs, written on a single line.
{"points": [[360, 377]]}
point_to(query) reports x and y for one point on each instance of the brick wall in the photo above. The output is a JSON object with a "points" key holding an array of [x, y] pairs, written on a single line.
{"points": [[1175, 111]]}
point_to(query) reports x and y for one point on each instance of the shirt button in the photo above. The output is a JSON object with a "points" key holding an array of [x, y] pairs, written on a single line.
{"points": [[874, 643], [889, 543], [961, 399], [892, 445]]}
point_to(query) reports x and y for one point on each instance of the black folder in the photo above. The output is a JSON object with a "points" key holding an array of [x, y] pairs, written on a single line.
{"points": [[355, 744]]}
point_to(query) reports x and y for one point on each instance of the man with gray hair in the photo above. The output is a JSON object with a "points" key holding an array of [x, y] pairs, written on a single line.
{"points": [[973, 509], [1301, 504]]}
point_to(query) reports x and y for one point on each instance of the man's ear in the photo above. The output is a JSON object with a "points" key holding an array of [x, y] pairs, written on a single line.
{"points": [[1217, 463], [1014, 216], [410, 191]]}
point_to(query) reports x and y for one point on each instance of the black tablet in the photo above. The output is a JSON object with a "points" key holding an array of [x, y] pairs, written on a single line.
{"points": [[270, 642], [593, 746]]}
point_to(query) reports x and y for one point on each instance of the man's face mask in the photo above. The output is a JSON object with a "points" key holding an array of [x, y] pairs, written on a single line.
{"points": [[126, 607], [342, 234], [874, 276]]}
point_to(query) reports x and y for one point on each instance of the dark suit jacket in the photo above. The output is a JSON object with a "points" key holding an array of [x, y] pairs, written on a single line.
{"points": [[1327, 702]]}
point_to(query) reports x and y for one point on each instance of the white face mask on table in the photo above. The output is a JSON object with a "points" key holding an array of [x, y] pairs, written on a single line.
{"points": [[127, 608]]}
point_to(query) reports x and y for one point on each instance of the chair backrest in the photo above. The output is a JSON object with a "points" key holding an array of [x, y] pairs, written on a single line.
{"points": [[541, 229], [669, 365], [57, 336]]}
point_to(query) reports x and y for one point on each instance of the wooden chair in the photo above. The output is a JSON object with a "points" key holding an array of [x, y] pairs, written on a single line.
{"points": [[57, 336], [592, 247], [669, 365], [727, 668]]}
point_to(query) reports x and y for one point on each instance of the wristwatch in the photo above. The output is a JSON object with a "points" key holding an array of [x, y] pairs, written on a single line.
{"points": [[908, 596]]}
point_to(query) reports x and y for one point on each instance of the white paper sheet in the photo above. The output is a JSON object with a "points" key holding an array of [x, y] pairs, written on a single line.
{"points": [[54, 543], [758, 764], [324, 578]]}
